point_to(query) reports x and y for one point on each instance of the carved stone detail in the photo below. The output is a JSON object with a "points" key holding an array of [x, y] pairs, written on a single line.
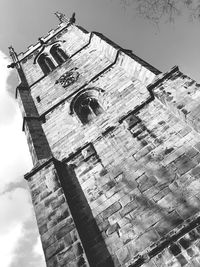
{"points": [[68, 78]]}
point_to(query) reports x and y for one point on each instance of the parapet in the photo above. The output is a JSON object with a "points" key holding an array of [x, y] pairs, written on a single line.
{"points": [[49, 35]]}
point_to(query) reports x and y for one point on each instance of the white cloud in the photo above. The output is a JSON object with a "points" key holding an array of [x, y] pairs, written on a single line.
{"points": [[15, 209], [38, 248], [18, 230], [4, 71], [14, 156], [28, 252], [19, 241], [8, 243], [7, 104]]}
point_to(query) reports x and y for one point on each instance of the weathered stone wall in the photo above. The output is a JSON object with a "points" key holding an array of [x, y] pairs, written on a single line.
{"points": [[120, 96], [150, 185], [36, 139], [89, 62], [142, 180], [75, 39], [124, 190], [181, 95], [181, 249], [60, 239]]}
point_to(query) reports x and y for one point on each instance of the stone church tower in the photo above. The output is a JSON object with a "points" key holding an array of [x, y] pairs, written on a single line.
{"points": [[116, 151]]}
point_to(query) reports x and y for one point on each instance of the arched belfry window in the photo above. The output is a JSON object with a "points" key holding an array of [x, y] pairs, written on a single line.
{"points": [[45, 63], [86, 106], [58, 54]]}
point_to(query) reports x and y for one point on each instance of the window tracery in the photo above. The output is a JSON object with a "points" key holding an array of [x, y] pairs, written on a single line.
{"points": [[87, 107]]}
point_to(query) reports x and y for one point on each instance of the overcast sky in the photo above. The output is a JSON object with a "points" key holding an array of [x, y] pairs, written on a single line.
{"points": [[21, 23]]}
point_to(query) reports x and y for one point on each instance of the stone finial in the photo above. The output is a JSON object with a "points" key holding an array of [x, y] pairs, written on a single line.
{"points": [[61, 17], [13, 55], [72, 19], [11, 50]]}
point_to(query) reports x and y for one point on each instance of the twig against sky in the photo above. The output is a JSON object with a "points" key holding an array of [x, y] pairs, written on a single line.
{"points": [[167, 10]]}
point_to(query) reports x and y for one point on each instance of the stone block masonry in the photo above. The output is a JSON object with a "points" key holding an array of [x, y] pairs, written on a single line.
{"points": [[123, 188], [138, 200], [60, 240]]}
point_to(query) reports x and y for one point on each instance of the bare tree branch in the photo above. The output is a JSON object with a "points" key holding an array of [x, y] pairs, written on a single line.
{"points": [[168, 10]]}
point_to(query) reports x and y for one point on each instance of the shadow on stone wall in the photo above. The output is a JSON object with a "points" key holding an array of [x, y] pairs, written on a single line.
{"points": [[180, 204], [163, 197], [92, 240]]}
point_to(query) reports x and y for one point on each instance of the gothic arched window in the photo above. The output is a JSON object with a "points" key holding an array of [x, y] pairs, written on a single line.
{"points": [[58, 54], [87, 107], [45, 63]]}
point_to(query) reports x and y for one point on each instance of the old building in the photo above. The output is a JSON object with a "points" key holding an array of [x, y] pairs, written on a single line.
{"points": [[116, 152]]}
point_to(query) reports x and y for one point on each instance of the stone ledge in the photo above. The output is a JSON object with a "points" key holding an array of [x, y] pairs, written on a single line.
{"points": [[164, 242], [41, 164], [160, 78]]}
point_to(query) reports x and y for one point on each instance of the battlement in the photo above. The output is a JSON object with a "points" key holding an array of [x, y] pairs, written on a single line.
{"points": [[46, 38]]}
